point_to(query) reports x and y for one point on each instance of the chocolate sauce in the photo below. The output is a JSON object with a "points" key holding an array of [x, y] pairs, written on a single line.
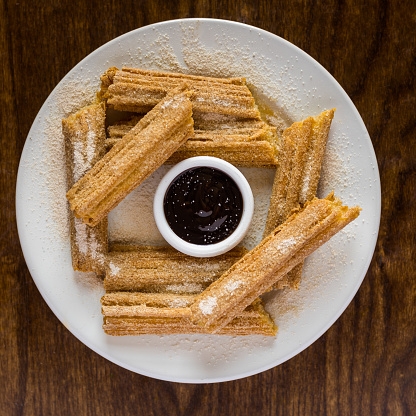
{"points": [[203, 206]]}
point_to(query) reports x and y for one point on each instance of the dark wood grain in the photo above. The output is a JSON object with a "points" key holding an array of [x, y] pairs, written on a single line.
{"points": [[366, 363]]}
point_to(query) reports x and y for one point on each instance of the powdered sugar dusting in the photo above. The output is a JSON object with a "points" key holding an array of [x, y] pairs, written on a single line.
{"points": [[320, 275], [71, 95], [306, 177], [114, 270], [207, 305], [81, 236], [159, 53], [339, 161], [169, 102], [178, 303], [261, 182], [233, 285], [132, 221], [287, 244], [84, 152]]}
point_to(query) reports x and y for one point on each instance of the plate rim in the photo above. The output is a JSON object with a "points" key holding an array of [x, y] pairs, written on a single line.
{"points": [[260, 369]]}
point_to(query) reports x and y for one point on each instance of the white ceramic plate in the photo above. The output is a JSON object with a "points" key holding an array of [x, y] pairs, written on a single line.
{"points": [[292, 83]]}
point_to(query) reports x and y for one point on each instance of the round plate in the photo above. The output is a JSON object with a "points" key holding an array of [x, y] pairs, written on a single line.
{"points": [[292, 84]]}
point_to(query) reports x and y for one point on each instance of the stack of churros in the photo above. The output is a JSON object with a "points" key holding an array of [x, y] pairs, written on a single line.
{"points": [[149, 291], [242, 142], [297, 176], [160, 313], [158, 290]]}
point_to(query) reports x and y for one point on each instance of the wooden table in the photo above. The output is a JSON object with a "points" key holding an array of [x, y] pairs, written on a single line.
{"points": [[366, 363]]}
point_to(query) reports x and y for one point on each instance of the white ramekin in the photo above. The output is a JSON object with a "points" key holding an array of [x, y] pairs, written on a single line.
{"points": [[209, 250]]}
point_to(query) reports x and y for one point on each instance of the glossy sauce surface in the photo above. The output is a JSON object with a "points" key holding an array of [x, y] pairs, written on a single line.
{"points": [[203, 206]]}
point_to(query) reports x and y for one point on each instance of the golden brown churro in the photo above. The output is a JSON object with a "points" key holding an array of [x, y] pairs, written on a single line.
{"points": [[297, 176], [246, 143], [137, 90], [314, 158], [148, 145], [275, 256], [159, 313], [84, 134], [163, 269]]}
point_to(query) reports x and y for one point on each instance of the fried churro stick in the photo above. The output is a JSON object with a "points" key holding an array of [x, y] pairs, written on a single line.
{"points": [[137, 90], [147, 146], [163, 269], [248, 154], [315, 156], [156, 313], [223, 128], [84, 134], [246, 143], [275, 256], [297, 176]]}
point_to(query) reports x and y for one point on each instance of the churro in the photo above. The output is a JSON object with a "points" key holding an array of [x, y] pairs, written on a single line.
{"points": [[163, 269], [147, 146], [157, 313], [245, 143], [276, 255], [314, 158], [297, 176], [84, 134], [137, 90]]}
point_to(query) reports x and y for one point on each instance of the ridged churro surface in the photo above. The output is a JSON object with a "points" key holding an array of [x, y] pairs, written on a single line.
{"points": [[163, 269], [137, 90], [242, 142], [139, 153], [127, 313], [84, 134]]}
